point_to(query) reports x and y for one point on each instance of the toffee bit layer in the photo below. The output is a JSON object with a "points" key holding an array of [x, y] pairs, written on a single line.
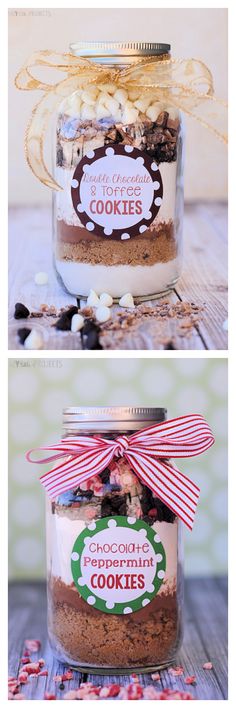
{"points": [[145, 638], [158, 139], [156, 245]]}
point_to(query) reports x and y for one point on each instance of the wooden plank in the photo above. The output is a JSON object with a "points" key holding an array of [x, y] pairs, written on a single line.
{"points": [[204, 278], [27, 620], [208, 609], [204, 281], [204, 640]]}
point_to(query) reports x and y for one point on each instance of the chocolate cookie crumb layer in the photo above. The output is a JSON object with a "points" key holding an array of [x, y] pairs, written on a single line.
{"points": [[146, 638], [157, 245]]}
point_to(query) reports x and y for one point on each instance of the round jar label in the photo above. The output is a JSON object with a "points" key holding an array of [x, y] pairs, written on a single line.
{"points": [[118, 564], [117, 191]]}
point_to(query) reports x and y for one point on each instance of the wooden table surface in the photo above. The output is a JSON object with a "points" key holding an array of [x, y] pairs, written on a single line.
{"points": [[205, 639], [203, 282]]}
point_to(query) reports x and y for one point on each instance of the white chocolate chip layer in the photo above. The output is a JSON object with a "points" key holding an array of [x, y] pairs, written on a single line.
{"points": [[108, 100]]}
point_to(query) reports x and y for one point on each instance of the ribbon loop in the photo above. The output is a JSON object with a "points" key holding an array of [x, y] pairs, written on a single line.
{"points": [[185, 84], [147, 452]]}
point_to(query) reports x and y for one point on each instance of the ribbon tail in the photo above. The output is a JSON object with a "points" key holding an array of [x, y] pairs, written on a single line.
{"points": [[207, 110], [166, 481]]}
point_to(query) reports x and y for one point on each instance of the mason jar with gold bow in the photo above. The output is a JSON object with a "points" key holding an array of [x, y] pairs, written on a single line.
{"points": [[118, 163]]}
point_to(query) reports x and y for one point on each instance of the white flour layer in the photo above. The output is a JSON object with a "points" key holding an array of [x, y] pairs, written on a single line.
{"points": [[117, 280]]}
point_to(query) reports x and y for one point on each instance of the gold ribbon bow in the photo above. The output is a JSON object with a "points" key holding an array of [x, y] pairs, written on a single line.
{"points": [[185, 84]]}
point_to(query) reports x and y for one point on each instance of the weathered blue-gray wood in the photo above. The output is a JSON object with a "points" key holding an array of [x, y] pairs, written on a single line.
{"points": [[205, 639]]}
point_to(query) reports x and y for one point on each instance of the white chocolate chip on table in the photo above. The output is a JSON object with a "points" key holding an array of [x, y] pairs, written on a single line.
{"points": [[41, 278], [77, 322], [34, 340], [106, 299], [93, 299], [127, 300], [103, 313]]}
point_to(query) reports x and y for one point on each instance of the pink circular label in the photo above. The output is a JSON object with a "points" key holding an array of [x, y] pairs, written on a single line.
{"points": [[117, 191]]}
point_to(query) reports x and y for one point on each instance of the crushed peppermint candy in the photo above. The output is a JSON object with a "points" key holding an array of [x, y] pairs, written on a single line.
{"points": [[23, 677], [190, 680], [155, 677], [133, 692], [168, 694], [110, 691], [63, 677], [176, 671]]}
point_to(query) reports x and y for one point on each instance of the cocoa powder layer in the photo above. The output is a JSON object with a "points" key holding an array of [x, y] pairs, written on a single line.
{"points": [[87, 636], [154, 246]]}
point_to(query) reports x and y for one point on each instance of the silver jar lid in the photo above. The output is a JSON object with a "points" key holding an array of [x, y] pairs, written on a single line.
{"points": [[118, 52], [110, 418]]}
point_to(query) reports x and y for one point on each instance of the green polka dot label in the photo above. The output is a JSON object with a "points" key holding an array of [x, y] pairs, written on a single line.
{"points": [[118, 564]]}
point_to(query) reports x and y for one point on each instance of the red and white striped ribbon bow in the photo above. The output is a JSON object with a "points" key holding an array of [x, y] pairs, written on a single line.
{"points": [[147, 451]]}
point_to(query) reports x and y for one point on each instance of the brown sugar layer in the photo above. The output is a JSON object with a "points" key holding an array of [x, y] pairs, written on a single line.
{"points": [[156, 245], [89, 636]]}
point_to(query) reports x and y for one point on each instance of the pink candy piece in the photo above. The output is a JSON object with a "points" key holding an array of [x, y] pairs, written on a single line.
{"points": [[133, 692], [170, 695], [23, 677], [176, 671], [50, 697], [32, 645], [32, 668], [134, 678], [208, 665], [63, 677], [12, 682], [155, 677], [71, 695], [104, 693], [20, 697], [109, 691], [41, 662], [190, 679]]}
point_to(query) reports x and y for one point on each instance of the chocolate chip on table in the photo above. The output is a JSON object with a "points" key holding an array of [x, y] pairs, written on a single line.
{"points": [[23, 333], [21, 311], [169, 345], [63, 323], [90, 335], [71, 311]]}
